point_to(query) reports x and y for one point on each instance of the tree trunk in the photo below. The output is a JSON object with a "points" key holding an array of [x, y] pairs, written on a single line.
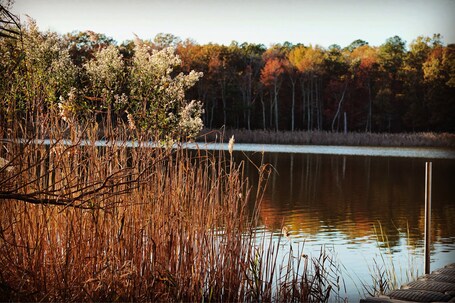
{"points": [[369, 116], [245, 106], [308, 106], [223, 99], [249, 102], [318, 106], [211, 113], [293, 105], [345, 123], [339, 105], [303, 102], [263, 111], [275, 91], [271, 110], [312, 102]]}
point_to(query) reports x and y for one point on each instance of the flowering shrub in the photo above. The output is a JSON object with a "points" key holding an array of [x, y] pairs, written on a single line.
{"points": [[158, 103], [144, 91], [48, 63], [67, 107], [106, 73], [190, 122]]}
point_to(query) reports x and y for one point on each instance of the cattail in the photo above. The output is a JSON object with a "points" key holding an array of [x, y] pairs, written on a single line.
{"points": [[64, 111], [131, 124], [231, 145]]}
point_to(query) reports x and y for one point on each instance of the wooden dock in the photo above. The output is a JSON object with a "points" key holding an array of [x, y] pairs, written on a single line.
{"points": [[439, 286]]}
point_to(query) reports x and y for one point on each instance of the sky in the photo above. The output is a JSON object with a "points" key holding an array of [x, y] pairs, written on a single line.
{"points": [[323, 22]]}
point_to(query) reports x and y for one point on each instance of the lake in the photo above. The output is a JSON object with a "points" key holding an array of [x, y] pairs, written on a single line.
{"points": [[364, 208]]}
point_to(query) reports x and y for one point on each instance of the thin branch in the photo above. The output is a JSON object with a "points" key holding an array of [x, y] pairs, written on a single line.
{"points": [[33, 200]]}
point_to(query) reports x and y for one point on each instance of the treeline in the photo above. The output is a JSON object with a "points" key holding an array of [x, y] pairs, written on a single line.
{"points": [[386, 88], [295, 87]]}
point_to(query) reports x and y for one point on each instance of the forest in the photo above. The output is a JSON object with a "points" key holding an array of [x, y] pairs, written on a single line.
{"points": [[358, 87], [393, 87]]}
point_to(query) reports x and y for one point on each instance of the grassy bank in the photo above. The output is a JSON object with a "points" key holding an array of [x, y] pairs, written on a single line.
{"points": [[86, 223], [427, 139]]}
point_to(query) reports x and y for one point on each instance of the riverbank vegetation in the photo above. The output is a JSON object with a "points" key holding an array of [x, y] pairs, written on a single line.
{"points": [[80, 222], [429, 139], [83, 223]]}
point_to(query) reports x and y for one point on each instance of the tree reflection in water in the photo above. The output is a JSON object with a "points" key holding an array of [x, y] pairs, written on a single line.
{"points": [[329, 195]]}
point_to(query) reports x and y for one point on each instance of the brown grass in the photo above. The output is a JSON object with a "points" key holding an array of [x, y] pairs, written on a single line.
{"points": [[427, 139], [114, 223]]}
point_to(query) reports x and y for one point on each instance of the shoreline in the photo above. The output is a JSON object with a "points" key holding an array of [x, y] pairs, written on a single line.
{"points": [[374, 151], [428, 152], [420, 139]]}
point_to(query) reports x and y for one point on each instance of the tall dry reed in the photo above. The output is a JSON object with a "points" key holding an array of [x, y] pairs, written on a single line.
{"points": [[83, 222]]}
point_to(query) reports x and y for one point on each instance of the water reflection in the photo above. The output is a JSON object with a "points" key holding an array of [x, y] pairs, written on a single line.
{"points": [[352, 196]]}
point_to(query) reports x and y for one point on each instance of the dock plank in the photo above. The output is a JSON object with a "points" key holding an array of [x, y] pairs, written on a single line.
{"points": [[439, 286]]}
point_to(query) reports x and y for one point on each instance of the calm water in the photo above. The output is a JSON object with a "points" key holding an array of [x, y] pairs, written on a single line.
{"points": [[342, 201]]}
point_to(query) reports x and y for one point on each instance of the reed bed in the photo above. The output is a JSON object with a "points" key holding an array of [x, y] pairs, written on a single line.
{"points": [[423, 139], [80, 222]]}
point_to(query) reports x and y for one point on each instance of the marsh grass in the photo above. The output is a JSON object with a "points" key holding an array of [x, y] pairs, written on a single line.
{"points": [[80, 222], [385, 274], [427, 139]]}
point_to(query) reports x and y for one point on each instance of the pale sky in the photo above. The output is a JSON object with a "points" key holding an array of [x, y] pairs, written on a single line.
{"points": [[322, 22]]}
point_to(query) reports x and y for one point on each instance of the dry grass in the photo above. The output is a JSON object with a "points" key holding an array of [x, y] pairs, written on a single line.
{"points": [[112, 223], [330, 138]]}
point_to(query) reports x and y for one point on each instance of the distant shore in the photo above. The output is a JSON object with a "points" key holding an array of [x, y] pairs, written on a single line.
{"points": [[421, 139]]}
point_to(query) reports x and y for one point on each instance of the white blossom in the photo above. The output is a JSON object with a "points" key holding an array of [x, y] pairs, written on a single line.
{"points": [[190, 122], [120, 100], [131, 123], [160, 95], [67, 107], [231, 145], [106, 71]]}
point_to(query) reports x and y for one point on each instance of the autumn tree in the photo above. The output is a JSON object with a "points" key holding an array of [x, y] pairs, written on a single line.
{"points": [[196, 57], [248, 76], [336, 68], [389, 98], [416, 116], [271, 76], [309, 63], [439, 79], [364, 60], [293, 74]]}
